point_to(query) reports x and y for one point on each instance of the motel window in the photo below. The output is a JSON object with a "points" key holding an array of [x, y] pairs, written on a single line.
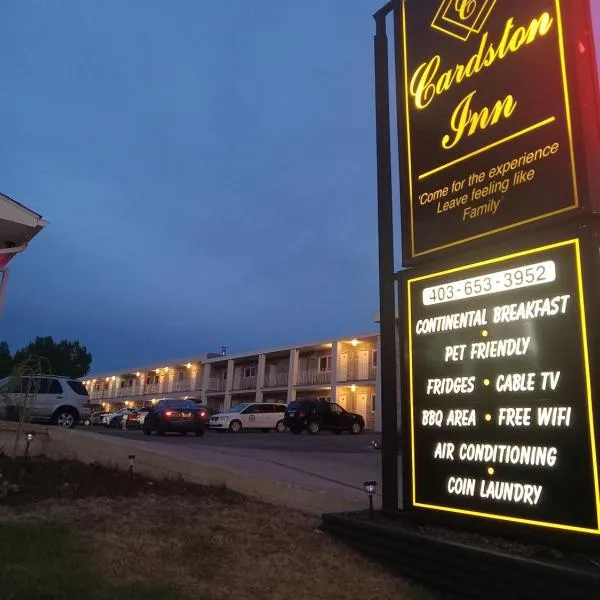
{"points": [[325, 363], [250, 372]]}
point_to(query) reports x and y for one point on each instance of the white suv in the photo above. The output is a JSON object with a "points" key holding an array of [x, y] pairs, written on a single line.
{"points": [[255, 415], [59, 400]]}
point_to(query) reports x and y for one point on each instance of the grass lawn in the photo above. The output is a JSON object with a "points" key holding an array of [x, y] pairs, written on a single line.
{"points": [[169, 541]]}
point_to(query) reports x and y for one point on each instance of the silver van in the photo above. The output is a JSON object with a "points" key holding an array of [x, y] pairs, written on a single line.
{"points": [[61, 401]]}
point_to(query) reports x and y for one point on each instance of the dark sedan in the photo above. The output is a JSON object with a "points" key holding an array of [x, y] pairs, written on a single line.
{"points": [[180, 416]]}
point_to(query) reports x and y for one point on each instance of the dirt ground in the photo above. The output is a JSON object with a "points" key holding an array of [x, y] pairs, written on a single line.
{"points": [[135, 538]]}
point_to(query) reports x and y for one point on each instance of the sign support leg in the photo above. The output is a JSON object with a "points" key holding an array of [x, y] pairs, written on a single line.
{"points": [[387, 301]]}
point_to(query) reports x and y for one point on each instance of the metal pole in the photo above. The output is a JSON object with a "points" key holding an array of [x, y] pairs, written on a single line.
{"points": [[3, 284], [387, 295]]}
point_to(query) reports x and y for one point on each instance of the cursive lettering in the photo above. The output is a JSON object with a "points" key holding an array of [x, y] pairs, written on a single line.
{"points": [[466, 121], [427, 82]]}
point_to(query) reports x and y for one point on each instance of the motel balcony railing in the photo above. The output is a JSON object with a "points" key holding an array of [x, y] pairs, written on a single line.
{"points": [[276, 380], [245, 383], [314, 377], [183, 385], [357, 374], [216, 384]]}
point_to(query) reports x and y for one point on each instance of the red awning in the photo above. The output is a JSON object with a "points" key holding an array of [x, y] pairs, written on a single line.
{"points": [[4, 259]]}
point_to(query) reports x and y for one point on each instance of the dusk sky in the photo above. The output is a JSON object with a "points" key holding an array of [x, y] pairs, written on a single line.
{"points": [[207, 169]]}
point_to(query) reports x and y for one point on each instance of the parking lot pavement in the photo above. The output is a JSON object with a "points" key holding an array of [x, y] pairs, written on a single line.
{"points": [[335, 464], [257, 440]]}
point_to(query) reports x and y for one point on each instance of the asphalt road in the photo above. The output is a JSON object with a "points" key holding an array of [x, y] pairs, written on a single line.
{"points": [[324, 442]]}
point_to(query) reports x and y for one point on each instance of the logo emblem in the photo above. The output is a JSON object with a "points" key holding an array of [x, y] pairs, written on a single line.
{"points": [[462, 18]]}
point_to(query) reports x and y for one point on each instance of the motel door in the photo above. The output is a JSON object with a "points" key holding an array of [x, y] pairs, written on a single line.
{"points": [[343, 374], [361, 409], [343, 402], [363, 364]]}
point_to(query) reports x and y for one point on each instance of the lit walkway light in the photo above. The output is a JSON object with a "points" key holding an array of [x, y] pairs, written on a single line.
{"points": [[370, 488]]}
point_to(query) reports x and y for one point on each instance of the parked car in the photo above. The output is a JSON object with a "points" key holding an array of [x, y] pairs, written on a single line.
{"points": [[250, 415], [115, 419], [205, 412], [136, 418], [96, 418], [318, 415], [61, 401], [181, 416]]}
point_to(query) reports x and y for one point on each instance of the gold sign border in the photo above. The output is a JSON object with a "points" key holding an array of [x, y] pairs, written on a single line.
{"points": [[584, 344], [574, 206]]}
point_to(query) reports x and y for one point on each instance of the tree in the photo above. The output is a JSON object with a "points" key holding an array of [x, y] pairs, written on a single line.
{"points": [[6, 360], [67, 358]]}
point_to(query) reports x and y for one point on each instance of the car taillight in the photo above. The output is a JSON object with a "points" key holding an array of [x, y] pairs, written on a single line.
{"points": [[302, 414], [168, 413], [200, 414]]}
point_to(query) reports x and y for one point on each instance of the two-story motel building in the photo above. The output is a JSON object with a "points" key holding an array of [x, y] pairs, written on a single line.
{"points": [[343, 371]]}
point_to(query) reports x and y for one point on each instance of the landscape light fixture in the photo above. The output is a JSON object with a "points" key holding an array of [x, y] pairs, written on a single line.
{"points": [[370, 488], [29, 437], [131, 465]]}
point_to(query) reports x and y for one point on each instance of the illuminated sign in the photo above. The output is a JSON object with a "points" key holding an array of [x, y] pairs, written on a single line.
{"points": [[500, 392], [487, 120]]}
